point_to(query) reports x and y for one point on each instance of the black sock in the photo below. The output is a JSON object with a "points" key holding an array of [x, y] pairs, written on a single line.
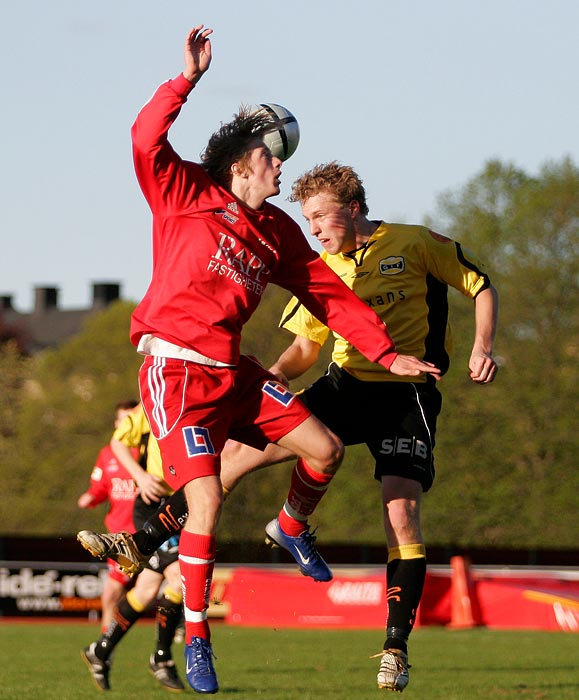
{"points": [[167, 619], [405, 583], [124, 618], [167, 520]]}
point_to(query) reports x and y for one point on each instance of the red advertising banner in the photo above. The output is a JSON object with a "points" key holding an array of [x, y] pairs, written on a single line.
{"points": [[357, 598], [274, 598]]}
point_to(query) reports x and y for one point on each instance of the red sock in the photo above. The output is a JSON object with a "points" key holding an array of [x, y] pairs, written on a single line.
{"points": [[196, 561], [306, 491]]}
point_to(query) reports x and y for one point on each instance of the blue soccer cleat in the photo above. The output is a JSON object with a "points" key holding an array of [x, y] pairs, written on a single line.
{"points": [[302, 549], [199, 666]]}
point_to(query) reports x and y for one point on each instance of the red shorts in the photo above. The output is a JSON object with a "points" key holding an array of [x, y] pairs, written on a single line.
{"points": [[193, 409]]}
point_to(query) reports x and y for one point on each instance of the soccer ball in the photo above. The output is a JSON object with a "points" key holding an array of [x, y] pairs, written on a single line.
{"points": [[282, 142]]}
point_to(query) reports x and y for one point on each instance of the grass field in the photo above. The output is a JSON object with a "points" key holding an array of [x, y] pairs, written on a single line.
{"points": [[42, 662]]}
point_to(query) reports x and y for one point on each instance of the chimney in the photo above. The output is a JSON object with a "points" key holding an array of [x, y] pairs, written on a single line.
{"points": [[104, 293], [6, 302], [45, 299]]}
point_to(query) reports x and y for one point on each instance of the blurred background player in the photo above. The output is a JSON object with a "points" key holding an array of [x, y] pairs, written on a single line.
{"points": [[111, 483], [161, 570]]}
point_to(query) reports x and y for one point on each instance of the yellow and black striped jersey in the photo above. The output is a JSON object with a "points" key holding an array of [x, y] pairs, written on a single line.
{"points": [[403, 273], [135, 431]]}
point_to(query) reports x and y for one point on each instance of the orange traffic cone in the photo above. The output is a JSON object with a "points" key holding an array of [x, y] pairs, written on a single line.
{"points": [[464, 609]]}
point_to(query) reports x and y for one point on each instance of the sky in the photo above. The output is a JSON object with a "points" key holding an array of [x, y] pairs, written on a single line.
{"points": [[416, 95]]}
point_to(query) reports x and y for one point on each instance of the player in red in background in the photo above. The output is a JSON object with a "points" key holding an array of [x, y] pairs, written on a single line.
{"points": [[217, 243], [111, 482]]}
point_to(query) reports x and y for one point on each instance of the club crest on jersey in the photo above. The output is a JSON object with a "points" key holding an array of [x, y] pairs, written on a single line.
{"points": [[197, 441], [392, 265], [278, 392]]}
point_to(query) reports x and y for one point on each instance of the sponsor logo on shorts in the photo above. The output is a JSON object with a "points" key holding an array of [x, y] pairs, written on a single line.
{"points": [[197, 441], [278, 392], [405, 446], [392, 265]]}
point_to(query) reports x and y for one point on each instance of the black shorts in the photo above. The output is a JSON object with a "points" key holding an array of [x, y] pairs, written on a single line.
{"points": [[397, 420], [168, 552]]}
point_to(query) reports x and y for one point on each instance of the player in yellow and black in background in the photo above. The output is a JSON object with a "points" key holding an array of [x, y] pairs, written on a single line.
{"points": [[403, 272]]}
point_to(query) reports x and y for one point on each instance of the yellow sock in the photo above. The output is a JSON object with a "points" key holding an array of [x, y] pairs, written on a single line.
{"points": [[407, 551]]}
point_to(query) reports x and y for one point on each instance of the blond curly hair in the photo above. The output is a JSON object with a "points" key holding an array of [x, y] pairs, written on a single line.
{"points": [[339, 180]]}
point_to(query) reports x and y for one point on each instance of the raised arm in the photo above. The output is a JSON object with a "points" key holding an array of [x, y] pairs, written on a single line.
{"points": [[159, 169], [482, 365], [197, 53]]}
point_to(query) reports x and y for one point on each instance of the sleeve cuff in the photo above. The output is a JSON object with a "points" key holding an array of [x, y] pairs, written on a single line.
{"points": [[387, 358], [181, 85]]}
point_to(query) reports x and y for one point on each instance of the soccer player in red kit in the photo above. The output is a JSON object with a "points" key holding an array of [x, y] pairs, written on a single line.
{"points": [[217, 243]]}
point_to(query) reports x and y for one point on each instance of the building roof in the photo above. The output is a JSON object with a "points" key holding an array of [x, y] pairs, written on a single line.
{"points": [[47, 325]]}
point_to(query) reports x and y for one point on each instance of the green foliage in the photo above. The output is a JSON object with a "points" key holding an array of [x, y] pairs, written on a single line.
{"points": [[14, 371], [66, 416], [506, 452]]}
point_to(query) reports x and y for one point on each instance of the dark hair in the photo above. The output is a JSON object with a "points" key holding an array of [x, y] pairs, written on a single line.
{"points": [[233, 142], [339, 180], [126, 405]]}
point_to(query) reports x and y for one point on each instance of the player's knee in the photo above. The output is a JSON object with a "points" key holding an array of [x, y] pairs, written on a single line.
{"points": [[173, 576], [331, 456]]}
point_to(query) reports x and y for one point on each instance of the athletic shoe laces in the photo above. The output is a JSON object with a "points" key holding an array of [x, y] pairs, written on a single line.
{"points": [[203, 655]]}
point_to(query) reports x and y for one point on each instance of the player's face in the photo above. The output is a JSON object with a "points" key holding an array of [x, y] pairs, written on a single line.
{"points": [[331, 222], [263, 172], [120, 414]]}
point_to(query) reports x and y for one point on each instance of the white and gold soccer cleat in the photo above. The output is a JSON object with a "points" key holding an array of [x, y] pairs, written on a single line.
{"points": [[393, 673], [118, 546]]}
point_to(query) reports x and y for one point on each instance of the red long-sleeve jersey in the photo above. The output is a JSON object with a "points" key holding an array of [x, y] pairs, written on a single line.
{"points": [[110, 481], [213, 256]]}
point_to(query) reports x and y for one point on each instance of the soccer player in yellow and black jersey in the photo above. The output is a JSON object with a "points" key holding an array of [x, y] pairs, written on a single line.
{"points": [[403, 272]]}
